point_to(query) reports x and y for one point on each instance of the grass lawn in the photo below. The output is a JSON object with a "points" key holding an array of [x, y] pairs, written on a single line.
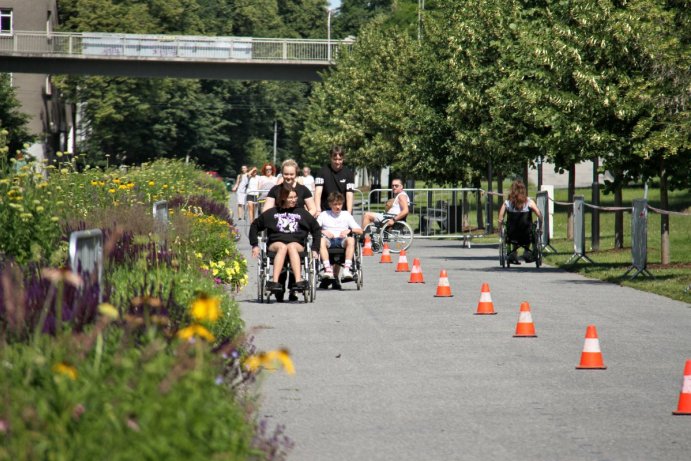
{"points": [[673, 281]]}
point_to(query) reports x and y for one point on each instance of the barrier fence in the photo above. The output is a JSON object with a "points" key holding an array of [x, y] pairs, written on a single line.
{"points": [[639, 228], [457, 213]]}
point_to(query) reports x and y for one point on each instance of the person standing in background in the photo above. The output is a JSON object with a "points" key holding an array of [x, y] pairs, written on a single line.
{"points": [[308, 179], [240, 189], [267, 180], [252, 192]]}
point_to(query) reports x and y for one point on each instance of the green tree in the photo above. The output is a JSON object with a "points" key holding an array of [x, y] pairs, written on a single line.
{"points": [[11, 119]]}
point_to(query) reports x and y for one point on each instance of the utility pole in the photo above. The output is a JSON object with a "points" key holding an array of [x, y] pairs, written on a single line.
{"points": [[328, 34], [420, 9], [275, 142]]}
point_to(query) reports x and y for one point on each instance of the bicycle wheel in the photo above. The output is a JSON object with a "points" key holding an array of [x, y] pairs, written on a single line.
{"points": [[399, 236]]}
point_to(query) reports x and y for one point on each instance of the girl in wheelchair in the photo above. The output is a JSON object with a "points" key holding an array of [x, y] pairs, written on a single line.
{"points": [[518, 229], [287, 229]]}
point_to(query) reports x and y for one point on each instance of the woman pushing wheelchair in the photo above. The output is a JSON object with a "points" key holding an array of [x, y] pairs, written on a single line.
{"points": [[520, 233]]}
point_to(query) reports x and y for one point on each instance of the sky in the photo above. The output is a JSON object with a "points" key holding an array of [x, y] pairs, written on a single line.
{"points": [[335, 3]]}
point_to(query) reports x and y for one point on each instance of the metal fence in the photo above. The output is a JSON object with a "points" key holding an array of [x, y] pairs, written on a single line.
{"points": [[95, 44], [458, 213]]}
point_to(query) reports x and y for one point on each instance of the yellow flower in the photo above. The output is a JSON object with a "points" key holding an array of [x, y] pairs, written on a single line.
{"points": [[65, 369], [108, 310], [151, 183], [112, 191], [271, 360], [206, 308], [196, 331]]}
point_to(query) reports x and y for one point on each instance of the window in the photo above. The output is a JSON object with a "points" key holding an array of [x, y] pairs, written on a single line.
{"points": [[5, 21]]}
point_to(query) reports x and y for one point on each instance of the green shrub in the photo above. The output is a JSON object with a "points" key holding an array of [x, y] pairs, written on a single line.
{"points": [[62, 403]]}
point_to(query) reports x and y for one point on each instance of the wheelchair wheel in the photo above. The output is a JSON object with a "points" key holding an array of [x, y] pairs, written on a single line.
{"points": [[537, 246], [399, 236], [261, 281], [373, 231], [502, 247]]}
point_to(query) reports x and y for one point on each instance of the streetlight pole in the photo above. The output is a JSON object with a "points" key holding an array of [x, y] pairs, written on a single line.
{"points": [[275, 142], [420, 9], [328, 34]]}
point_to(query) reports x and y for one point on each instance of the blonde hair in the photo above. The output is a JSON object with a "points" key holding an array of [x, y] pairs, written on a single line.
{"points": [[289, 162]]}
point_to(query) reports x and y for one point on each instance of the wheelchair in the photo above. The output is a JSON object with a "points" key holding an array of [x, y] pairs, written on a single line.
{"points": [[399, 236], [265, 270], [337, 257], [519, 231]]}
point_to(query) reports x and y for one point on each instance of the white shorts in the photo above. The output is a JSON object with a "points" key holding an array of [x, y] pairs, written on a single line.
{"points": [[241, 197]]}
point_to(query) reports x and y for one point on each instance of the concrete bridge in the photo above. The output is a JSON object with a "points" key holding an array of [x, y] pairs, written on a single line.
{"points": [[180, 56]]}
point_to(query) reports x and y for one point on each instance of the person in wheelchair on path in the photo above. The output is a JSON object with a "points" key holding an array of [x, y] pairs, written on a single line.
{"points": [[518, 207], [337, 225], [398, 210], [287, 227]]}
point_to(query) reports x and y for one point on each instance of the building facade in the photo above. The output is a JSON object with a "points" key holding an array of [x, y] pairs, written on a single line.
{"points": [[35, 92]]}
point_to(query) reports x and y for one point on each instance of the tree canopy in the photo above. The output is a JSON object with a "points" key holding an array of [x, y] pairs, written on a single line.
{"points": [[218, 123]]}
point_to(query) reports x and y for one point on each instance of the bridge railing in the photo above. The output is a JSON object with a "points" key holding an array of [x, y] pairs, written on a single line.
{"points": [[96, 44]]}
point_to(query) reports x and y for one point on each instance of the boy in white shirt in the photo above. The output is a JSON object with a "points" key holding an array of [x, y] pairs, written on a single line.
{"points": [[337, 225]]}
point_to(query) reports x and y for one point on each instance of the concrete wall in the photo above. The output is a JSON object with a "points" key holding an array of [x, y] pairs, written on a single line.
{"points": [[36, 15]]}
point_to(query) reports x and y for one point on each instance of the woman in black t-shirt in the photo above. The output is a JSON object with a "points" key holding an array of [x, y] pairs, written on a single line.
{"points": [[287, 228]]}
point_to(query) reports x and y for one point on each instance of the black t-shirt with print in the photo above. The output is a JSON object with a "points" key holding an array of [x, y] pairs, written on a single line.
{"points": [[302, 192], [286, 225], [334, 181]]}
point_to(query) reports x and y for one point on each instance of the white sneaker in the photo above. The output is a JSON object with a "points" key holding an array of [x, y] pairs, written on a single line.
{"points": [[346, 275], [328, 274]]}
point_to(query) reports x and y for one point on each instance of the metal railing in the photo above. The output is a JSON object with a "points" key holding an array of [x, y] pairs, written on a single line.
{"points": [[458, 213], [183, 47]]}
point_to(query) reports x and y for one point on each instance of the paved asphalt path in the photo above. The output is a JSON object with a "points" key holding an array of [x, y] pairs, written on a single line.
{"points": [[393, 373]]}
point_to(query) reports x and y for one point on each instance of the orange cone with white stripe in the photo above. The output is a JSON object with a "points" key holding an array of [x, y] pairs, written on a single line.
{"points": [[416, 273], [485, 306], [684, 407], [386, 255], [591, 358], [525, 328], [367, 249], [443, 288], [402, 265]]}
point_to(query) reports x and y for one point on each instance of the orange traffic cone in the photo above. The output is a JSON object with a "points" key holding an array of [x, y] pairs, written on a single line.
{"points": [[402, 265], [386, 254], [591, 358], [443, 288], [684, 407], [416, 274], [485, 306], [367, 249], [525, 328]]}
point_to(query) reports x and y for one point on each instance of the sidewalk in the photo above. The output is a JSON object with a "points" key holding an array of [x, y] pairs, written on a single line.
{"points": [[393, 373]]}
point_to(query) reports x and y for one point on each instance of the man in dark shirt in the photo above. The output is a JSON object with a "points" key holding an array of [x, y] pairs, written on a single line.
{"points": [[334, 178]]}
